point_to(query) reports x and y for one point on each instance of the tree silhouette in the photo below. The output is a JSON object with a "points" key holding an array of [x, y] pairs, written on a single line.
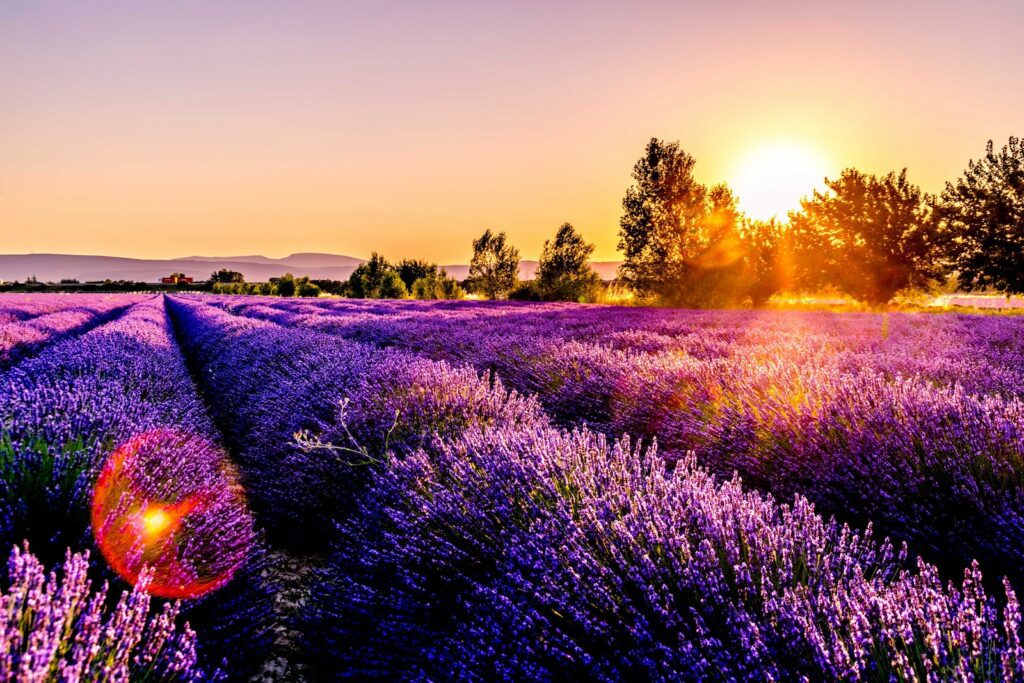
{"points": [[285, 285], [376, 279], [494, 269], [564, 272], [223, 276], [867, 236], [411, 270], [983, 214], [680, 239]]}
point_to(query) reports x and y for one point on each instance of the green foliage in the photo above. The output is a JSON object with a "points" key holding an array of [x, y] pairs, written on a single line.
{"points": [[376, 279], [224, 276], [680, 239], [494, 269], [236, 288], [336, 287], [284, 285], [438, 285], [983, 215], [564, 272], [526, 290], [308, 289], [411, 270], [867, 236]]}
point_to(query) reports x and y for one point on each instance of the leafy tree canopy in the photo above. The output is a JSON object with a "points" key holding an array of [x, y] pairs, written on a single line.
{"points": [[225, 276], [867, 236], [564, 272], [679, 237], [983, 213], [376, 279], [494, 269], [411, 270]]}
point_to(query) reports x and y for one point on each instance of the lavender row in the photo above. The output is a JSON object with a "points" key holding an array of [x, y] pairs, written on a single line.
{"points": [[23, 336], [67, 409], [17, 307], [280, 394], [909, 430]]}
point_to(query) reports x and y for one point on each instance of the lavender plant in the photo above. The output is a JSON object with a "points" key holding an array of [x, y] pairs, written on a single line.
{"points": [[56, 627]]}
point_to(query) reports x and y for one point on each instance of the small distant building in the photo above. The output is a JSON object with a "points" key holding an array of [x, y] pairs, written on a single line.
{"points": [[176, 279]]}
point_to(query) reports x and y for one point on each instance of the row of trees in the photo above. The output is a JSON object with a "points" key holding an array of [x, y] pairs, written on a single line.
{"points": [[379, 279], [866, 236], [232, 282], [563, 274]]}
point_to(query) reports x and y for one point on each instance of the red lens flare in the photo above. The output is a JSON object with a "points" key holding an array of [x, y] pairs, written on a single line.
{"points": [[170, 501]]}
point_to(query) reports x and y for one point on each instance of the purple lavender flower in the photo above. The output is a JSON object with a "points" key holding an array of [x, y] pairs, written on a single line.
{"points": [[55, 627]]}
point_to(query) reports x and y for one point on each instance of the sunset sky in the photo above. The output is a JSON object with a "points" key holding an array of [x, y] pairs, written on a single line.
{"points": [[160, 129]]}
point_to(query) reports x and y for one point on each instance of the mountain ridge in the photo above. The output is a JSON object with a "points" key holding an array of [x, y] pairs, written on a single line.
{"points": [[51, 267]]}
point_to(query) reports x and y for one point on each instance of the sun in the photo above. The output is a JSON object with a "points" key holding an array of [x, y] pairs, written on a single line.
{"points": [[770, 181]]}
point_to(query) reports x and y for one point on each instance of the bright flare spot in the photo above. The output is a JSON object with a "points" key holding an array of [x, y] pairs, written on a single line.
{"points": [[155, 522], [771, 180]]}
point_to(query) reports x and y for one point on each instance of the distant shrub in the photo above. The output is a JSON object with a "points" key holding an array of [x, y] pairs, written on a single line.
{"points": [[526, 290], [437, 285], [308, 289]]}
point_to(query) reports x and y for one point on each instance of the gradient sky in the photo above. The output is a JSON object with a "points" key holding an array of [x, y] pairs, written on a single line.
{"points": [[170, 128]]}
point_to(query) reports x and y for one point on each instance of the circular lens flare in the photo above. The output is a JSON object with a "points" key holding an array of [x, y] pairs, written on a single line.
{"points": [[168, 500]]}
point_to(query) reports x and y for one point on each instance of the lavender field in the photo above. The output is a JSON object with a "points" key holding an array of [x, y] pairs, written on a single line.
{"points": [[199, 487]]}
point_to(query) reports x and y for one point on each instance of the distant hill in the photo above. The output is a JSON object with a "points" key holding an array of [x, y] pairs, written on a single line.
{"points": [[54, 267], [255, 268]]}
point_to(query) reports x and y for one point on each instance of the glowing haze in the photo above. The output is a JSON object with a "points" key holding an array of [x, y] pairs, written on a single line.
{"points": [[168, 129]]}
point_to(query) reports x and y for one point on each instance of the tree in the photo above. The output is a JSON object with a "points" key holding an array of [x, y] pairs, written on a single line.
{"points": [[983, 216], [285, 285], [411, 270], [376, 279], [679, 238], [438, 285], [494, 269], [224, 276], [766, 259], [564, 272], [869, 237]]}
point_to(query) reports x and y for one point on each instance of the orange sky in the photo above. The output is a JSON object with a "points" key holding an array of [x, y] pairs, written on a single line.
{"points": [[170, 129]]}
